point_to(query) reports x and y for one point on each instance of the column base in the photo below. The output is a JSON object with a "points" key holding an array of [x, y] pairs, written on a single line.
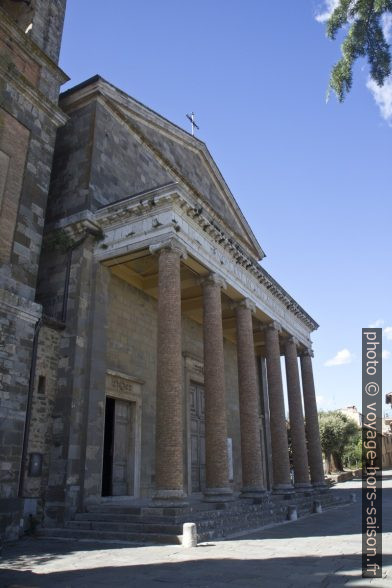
{"points": [[218, 495], [169, 499], [249, 492], [283, 489], [303, 486], [320, 485]]}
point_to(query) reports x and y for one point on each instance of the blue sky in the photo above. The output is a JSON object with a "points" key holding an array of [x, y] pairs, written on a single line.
{"points": [[313, 179]]}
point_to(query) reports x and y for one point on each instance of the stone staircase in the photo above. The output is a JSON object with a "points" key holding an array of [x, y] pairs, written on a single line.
{"points": [[124, 523]]}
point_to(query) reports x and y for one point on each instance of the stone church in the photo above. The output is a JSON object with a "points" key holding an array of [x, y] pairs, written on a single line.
{"points": [[140, 336]]}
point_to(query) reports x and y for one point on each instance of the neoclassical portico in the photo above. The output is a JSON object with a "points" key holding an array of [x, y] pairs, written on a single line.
{"points": [[254, 333], [169, 441]]}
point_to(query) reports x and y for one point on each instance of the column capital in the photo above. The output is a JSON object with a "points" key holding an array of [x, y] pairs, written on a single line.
{"points": [[213, 279], [245, 303], [272, 326], [291, 340], [171, 244], [306, 353]]}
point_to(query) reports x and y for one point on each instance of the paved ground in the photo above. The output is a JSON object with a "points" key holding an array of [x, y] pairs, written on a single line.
{"points": [[319, 550]]}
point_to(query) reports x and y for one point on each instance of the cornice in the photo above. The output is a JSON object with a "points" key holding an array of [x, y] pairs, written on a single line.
{"points": [[118, 214], [33, 95], [27, 310]]}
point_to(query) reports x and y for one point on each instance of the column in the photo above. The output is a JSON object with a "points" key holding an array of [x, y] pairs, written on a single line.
{"points": [[252, 475], [297, 425], [169, 453], [279, 441], [217, 481], [311, 418], [265, 410]]}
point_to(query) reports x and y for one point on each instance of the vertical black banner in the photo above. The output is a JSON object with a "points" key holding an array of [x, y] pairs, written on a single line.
{"points": [[372, 453]]}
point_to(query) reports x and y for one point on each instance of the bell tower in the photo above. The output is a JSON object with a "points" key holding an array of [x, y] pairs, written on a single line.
{"points": [[30, 80], [41, 20]]}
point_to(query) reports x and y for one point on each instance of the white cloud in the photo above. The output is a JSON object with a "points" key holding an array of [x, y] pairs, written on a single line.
{"points": [[386, 354], [388, 333], [383, 97], [329, 7], [377, 324], [342, 357], [322, 401], [387, 26]]}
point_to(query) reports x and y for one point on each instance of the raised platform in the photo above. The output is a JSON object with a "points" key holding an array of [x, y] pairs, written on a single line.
{"points": [[142, 524]]}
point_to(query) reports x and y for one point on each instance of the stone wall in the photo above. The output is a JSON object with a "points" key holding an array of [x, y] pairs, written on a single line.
{"points": [[98, 160], [45, 388], [29, 118], [121, 164], [70, 184], [16, 339], [40, 436]]}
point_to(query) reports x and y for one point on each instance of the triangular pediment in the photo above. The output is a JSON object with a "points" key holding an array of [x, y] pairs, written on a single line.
{"points": [[184, 157]]}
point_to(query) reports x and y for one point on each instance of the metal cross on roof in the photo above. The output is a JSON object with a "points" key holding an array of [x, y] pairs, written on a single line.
{"points": [[191, 117]]}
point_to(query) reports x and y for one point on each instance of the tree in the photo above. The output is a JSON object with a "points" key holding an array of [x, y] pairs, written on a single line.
{"points": [[337, 432], [365, 38], [352, 455]]}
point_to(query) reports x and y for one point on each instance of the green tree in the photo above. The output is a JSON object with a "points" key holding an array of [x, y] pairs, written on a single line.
{"points": [[365, 38], [337, 432], [352, 455]]}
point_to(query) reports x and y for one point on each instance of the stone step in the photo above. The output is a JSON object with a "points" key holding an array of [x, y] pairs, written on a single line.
{"points": [[152, 525], [123, 527], [93, 535], [116, 517], [114, 508], [96, 521]]}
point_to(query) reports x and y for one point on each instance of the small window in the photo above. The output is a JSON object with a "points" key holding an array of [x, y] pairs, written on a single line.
{"points": [[41, 384]]}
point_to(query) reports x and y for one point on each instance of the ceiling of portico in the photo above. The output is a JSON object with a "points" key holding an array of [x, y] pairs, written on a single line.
{"points": [[141, 271]]}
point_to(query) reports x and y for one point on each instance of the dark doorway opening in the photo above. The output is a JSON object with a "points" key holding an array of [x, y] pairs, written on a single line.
{"points": [[107, 469]]}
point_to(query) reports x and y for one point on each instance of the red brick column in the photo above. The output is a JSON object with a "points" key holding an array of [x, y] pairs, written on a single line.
{"points": [[252, 475], [279, 440], [217, 482], [311, 418], [297, 425], [169, 452]]}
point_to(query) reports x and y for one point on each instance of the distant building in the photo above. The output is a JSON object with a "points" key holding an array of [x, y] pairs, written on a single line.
{"points": [[352, 413]]}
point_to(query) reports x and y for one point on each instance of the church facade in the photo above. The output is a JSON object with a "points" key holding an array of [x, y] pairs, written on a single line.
{"points": [[141, 336]]}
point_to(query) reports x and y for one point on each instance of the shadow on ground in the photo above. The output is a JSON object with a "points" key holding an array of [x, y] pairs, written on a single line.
{"points": [[216, 573], [218, 565]]}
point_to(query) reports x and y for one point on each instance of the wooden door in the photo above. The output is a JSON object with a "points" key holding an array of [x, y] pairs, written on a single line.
{"points": [[122, 449], [198, 452]]}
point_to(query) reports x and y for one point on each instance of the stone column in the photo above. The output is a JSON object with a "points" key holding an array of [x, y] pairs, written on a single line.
{"points": [[267, 449], [217, 480], [311, 418], [279, 440], [297, 425], [169, 452], [252, 475]]}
